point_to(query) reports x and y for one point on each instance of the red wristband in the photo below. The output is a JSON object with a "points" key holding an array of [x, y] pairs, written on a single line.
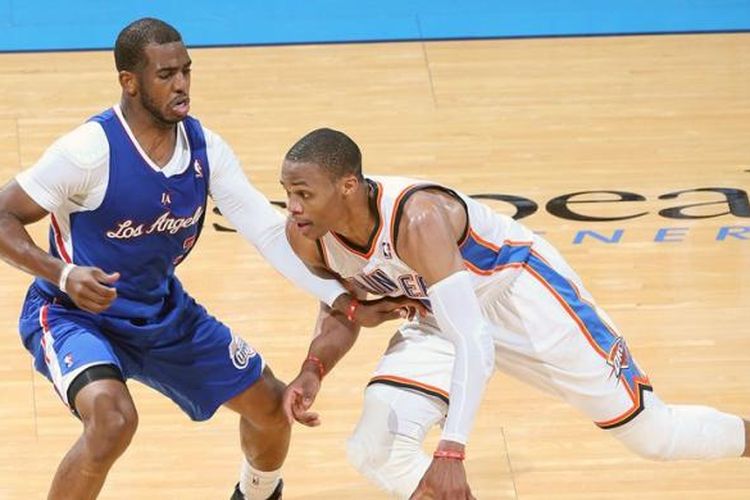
{"points": [[454, 455], [351, 311], [318, 363]]}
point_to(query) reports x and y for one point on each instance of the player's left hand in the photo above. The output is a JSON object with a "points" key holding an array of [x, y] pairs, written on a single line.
{"points": [[299, 396], [445, 479], [371, 313]]}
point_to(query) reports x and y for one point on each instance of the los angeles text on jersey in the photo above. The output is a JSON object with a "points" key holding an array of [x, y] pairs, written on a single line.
{"points": [[165, 223]]}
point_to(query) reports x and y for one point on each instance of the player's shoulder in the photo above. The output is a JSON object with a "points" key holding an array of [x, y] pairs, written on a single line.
{"points": [[430, 211], [86, 146], [213, 139]]}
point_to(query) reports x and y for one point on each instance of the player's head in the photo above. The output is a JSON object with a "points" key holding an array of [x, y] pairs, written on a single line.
{"points": [[154, 69], [321, 173]]}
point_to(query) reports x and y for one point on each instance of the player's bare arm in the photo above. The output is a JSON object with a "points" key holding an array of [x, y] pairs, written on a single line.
{"points": [[431, 225], [88, 287], [334, 335]]}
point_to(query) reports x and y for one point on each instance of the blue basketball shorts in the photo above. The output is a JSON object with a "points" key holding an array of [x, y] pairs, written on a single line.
{"points": [[185, 354]]}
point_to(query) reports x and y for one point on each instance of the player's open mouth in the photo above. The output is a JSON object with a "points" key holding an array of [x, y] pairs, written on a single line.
{"points": [[181, 105]]}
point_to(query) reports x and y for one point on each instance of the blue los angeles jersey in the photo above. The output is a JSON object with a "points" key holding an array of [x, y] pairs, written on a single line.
{"points": [[145, 226]]}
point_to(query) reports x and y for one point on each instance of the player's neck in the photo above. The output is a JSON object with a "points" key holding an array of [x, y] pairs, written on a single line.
{"points": [[156, 138], [361, 216]]}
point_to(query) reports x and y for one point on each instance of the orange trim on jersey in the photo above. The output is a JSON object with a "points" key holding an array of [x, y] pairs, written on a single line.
{"points": [[486, 243], [373, 242], [410, 383], [493, 247], [641, 384], [324, 253], [592, 306], [471, 267], [540, 257], [569, 310]]}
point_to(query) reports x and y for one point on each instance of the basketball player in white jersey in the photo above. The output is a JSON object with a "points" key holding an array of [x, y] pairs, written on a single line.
{"points": [[502, 297], [127, 195]]}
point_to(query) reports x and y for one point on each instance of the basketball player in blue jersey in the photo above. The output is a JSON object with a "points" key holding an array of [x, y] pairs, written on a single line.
{"points": [[501, 296], [127, 196]]}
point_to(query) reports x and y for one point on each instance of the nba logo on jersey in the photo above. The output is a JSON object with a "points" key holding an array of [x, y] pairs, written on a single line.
{"points": [[387, 250], [198, 169], [68, 360]]}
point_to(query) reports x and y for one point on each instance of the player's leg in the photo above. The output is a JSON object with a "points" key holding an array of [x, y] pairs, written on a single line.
{"points": [[682, 432], [202, 366], [109, 421], [406, 398], [573, 349], [85, 372], [264, 435], [386, 445]]}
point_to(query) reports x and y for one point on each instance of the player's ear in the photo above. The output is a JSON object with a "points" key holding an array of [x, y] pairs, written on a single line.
{"points": [[349, 184], [128, 82]]}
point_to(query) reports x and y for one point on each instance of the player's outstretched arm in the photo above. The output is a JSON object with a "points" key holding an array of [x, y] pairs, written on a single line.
{"points": [[430, 227], [88, 287]]}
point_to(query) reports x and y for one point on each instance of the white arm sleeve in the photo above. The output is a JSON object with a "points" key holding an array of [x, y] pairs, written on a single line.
{"points": [[258, 222], [456, 308]]}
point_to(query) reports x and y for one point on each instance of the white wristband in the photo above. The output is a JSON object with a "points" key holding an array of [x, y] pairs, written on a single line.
{"points": [[64, 277]]}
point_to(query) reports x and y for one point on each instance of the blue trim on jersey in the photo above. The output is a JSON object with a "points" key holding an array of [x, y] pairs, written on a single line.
{"points": [[596, 329], [487, 259]]}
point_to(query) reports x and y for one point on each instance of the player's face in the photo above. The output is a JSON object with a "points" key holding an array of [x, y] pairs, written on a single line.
{"points": [[314, 200], [164, 82]]}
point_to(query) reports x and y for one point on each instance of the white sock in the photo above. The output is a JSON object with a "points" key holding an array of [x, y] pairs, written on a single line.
{"points": [[257, 484]]}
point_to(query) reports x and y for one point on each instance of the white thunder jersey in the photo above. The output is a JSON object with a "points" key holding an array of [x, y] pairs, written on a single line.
{"points": [[549, 332], [494, 246]]}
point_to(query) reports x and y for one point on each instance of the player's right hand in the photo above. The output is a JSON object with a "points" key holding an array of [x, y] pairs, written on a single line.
{"points": [[371, 313], [299, 397], [443, 480], [91, 289]]}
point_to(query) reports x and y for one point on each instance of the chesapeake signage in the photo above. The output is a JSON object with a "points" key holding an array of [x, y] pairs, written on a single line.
{"points": [[731, 202]]}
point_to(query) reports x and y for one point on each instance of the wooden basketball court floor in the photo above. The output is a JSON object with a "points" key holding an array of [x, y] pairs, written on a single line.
{"points": [[536, 118]]}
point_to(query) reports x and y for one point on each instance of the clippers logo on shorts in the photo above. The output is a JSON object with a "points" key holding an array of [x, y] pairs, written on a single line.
{"points": [[618, 357], [240, 352]]}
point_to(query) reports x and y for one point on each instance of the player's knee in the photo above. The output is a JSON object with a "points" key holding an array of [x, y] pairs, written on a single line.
{"points": [[359, 454], [108, 432], [649, 435], [388, 462], [683, 432]]}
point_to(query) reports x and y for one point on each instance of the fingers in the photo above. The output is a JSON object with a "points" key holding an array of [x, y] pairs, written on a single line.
{"points": [[301, 413], [104, 278], [296, 405], [421, 308], [287, 403], [91, 288], [308, 418]]}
